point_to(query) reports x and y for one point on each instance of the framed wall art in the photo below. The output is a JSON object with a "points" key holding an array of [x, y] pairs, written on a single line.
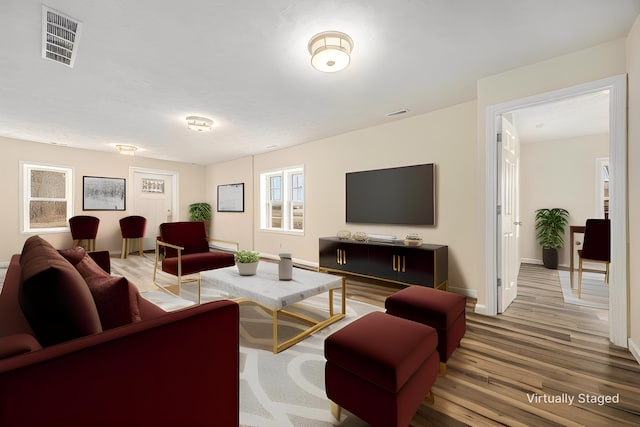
{"points": [[231, 198], [103, 194]]}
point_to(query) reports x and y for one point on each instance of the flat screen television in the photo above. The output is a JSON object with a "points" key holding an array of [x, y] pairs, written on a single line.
{"points": [[402, 195]]}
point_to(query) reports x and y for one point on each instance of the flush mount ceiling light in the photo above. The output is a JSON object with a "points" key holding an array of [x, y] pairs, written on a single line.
{"points": [[199, 124], [330, 51], [127, 150]]}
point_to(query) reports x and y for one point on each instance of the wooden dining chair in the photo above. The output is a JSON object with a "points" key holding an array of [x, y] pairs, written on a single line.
{"points": [[596, 247]]}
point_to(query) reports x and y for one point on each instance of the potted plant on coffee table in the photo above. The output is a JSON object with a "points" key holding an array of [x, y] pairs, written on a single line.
{"points": [[550, 225], [247, 262]]}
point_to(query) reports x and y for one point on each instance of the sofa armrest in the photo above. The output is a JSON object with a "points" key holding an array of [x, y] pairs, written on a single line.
{"points": [[102, 258], [177, 369]]}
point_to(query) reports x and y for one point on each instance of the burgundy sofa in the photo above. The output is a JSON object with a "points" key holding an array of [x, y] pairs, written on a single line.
{"points": [[93, 362]]}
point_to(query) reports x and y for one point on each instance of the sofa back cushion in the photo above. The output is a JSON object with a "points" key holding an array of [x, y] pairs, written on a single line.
{"points": [[53, 295]]}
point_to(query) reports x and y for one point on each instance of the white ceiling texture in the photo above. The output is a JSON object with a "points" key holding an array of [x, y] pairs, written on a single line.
{"points": [[143, 66]]}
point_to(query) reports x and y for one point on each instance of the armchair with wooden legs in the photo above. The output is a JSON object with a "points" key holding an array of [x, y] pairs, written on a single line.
{"points": [[596, 247], [182, 249]]}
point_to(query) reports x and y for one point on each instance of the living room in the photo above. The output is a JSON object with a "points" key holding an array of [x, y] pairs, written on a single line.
{"points": [[452, 137]]}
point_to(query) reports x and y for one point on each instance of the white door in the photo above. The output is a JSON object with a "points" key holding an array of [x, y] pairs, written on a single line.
{"points": [[153, 198], [508, 215]]}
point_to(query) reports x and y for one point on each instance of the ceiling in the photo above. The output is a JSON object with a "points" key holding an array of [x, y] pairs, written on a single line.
{"points": [[143, 66]]}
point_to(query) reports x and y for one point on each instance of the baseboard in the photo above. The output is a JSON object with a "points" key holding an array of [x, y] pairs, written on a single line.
{"points": [[634, 349], [481, 309], [469, 293], [4, 264], [531, 261]]}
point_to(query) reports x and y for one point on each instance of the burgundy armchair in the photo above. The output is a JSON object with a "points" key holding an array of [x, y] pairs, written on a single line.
{"points": [[132, 227], [84, 227], [183, 249]]}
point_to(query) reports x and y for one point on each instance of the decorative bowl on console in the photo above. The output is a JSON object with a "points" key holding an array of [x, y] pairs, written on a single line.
{"points": [[413, 240], [360, 236], [344, 234]]}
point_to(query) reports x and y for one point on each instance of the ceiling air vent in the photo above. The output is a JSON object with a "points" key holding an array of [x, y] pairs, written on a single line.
{"points": [[60, 36]]}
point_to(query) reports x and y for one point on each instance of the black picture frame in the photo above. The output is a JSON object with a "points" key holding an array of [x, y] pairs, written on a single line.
{"points": [[104, 194], [230, 198]]}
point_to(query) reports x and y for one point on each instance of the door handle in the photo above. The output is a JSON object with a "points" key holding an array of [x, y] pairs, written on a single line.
{"points": [[517, 223]]}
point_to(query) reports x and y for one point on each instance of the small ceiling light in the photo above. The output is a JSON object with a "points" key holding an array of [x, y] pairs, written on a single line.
{"points": [[330, 51], [199, 124], [127, 150]]}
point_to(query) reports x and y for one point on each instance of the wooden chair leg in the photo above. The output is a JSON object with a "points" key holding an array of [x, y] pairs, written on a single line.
{"points": [[140, 251], [335, 410], [123, 255], [442, 371], [429, 397], [606, 274], [579, 278]]}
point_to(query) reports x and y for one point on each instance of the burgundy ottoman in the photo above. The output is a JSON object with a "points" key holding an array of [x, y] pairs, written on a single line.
{"points": [[442, 310], [380, 368]]}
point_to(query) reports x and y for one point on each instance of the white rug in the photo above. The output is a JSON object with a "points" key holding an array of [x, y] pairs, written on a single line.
{"points": [[284, 389], [595, 292]]}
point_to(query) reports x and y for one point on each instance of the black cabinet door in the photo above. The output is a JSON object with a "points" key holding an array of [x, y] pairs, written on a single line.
{"points": [[345, 256], [383, 262], [416, 266]]}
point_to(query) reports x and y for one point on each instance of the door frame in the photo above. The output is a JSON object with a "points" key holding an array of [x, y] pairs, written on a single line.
{"points": [[174, 185], [618, 280]]}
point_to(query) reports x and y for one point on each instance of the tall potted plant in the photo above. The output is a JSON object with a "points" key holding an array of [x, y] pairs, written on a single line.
{"points": [[550, 225], [200, 212]]}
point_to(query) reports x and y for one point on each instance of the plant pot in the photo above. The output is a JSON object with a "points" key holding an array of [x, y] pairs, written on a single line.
{"points": [[550, 258], [247, 268]]}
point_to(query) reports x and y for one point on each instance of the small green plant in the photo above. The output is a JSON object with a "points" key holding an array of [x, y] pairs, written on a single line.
{"points": [[550, 225], [245, 256], [200, 212]]}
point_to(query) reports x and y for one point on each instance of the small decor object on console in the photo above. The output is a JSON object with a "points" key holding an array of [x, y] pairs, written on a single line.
{"points": [[247, 262], [360, 236], [285, 267], [413, 240], [344, 234]]}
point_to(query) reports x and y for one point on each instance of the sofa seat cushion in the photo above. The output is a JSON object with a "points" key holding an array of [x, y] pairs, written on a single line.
{"points": [[53, 295], [14, 345], [194, 263]]}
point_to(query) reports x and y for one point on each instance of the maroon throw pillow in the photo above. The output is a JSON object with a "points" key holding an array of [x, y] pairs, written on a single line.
{"points": [[73, 255], [53, 295], [115, 298]]}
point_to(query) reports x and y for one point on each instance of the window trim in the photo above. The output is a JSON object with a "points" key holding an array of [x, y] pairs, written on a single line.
{"points": [[285, 194], [25, 195]]}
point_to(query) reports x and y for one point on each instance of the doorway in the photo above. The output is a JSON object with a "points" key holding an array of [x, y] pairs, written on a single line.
{"points": [[155, 198], [617, 192]]}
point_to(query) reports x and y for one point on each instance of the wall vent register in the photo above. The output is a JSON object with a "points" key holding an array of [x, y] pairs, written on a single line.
{"points": [[60, 36]]}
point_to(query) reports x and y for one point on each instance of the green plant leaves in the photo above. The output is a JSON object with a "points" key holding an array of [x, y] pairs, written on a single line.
{"points": [[550, 225]]}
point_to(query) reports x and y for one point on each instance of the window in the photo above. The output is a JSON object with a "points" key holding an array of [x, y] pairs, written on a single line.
{"points": [[46, 197], [282, 200]]}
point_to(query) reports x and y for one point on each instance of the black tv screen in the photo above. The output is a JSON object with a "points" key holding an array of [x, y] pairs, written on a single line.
{"points": [[402, 195]]}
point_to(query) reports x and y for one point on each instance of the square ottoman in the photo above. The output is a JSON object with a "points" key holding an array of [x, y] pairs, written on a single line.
{"points": [[380, 368], [442, 310]]}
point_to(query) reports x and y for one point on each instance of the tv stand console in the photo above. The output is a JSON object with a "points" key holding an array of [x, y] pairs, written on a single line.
{"points": [[425, 265]]}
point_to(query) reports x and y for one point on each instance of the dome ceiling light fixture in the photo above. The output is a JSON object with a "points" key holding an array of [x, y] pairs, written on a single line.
{"points": [[199, 124], [330, 51], [127, 150]]}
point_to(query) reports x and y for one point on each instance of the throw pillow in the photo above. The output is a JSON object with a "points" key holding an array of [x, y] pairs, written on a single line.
{"points": [[114, 296], [53, 295], [73, 255]]}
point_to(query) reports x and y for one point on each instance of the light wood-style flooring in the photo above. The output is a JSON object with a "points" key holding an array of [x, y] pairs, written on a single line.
{"points": [[509, 364]]}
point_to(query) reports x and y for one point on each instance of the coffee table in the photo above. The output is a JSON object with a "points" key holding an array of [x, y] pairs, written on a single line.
{"points": [[276, 295]]}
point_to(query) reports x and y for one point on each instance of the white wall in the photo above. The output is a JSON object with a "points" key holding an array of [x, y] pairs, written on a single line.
{"points": [[633, 59], [445, 137], [558, 174], [83, 162]]}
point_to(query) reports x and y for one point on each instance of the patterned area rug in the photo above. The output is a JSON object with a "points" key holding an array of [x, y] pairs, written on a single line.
{"points": [[284, 389], [595, 292]]}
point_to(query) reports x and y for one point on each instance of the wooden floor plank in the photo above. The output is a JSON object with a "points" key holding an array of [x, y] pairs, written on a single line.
{"points": [[539, 347]]}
